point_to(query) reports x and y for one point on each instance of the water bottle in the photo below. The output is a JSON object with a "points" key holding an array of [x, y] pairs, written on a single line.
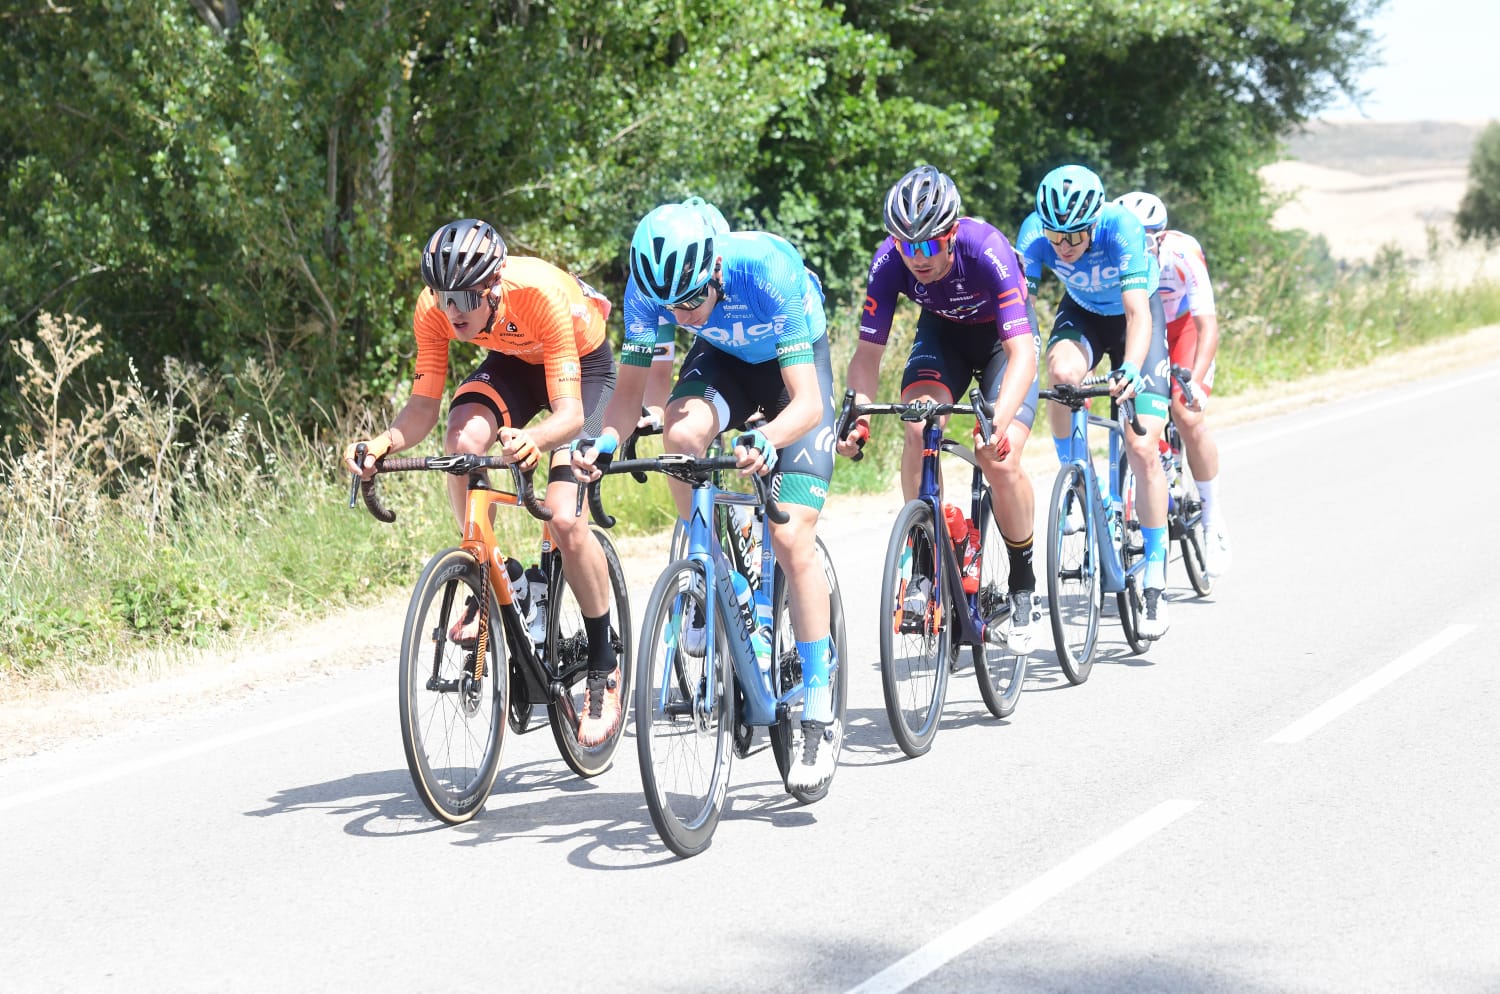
{"points": [[748, 612], [746, 539], [536, 583], [519, 591]]}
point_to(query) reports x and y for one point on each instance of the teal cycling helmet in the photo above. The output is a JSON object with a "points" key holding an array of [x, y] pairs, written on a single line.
{"points": [[1069, 198], [710, 213], [1146, 206], [672, 253]]}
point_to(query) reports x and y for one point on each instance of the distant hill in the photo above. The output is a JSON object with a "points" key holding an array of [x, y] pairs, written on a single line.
{"points": [[1376, 147]]}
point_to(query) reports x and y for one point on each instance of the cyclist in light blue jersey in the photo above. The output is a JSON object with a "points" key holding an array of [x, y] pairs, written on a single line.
{"points": [[1111, 307], [760, 344]]}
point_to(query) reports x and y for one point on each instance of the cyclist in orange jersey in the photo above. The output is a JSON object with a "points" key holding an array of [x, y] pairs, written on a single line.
{"points": [[543, 330]]}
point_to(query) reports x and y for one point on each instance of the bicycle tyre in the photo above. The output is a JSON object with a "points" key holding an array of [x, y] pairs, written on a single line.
{"points": [[452, 727], [1073, 583], [1000, 671], [914, 663], [567, 646], [685, 748], [1131, 545], [787, 732]]}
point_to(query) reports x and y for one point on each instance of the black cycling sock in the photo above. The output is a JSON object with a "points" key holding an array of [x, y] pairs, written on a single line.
{"points": [[1022, 576], [601, 647]]}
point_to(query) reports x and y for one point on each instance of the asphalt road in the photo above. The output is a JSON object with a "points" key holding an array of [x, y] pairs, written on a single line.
{"points": [[1295, 791]]}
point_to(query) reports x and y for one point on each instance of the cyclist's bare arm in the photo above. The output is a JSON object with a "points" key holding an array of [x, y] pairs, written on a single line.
{"points": [[559, 427], [1208, 344], [1137, 304], [1020, 370], [412, 423], [863, 377], [621, 416]]}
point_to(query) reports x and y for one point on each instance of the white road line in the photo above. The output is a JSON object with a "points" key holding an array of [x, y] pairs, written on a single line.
{"points": [[119, 770], [1022, 901], [1300, 425], [1322, 715]]}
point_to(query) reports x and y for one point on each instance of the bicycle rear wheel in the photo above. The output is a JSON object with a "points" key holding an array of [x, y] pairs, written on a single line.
{"points": [[567, 650], [913, 647], [786, 735], [453, 696], [684, 738], [1073, 588], [1131, 543], [1000, 671]]}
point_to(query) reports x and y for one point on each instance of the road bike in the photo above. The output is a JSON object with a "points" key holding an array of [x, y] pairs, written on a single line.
{"points": [[459, 694], [695, 711], [1094, 545], [917, 652]]}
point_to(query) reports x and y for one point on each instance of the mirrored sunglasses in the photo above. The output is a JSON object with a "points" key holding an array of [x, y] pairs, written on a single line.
{"points": [[1067, 237], [691, 303], [464, 300], [930, 247]]}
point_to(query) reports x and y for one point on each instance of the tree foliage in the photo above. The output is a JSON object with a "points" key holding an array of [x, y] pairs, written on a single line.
{"points": [[228, 181], [1479, 212]]}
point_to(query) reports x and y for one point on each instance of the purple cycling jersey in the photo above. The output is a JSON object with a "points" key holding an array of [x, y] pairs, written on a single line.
{"points": [[985, 285]]}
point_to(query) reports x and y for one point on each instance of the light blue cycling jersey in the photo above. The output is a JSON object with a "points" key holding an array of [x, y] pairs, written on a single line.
{"points": [[771, 306], [1117, 260]]}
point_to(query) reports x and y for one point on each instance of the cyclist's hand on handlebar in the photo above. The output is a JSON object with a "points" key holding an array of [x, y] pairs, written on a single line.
{"points": [[1200, 399], [754, 453], [651, 419], [853, 443], [999, 442], [375, 448], [517, 447], [591, 455], [1127, 381]]}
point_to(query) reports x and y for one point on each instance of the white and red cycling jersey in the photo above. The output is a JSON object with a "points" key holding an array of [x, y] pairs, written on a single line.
{"points": [[1185, 291]]}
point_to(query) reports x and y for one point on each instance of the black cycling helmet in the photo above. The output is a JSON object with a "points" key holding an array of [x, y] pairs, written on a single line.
{"points": [[923, 204], [463, 255]]}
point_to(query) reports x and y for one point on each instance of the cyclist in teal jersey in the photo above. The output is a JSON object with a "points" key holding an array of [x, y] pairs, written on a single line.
{"points": [[1111, 308], [760, 343]]}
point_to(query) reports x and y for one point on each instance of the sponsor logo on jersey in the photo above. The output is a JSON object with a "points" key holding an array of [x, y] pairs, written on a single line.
{"points": [[792, 348]]}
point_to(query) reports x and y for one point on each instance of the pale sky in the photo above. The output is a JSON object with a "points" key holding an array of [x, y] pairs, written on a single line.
{"points": [[1439, 64]]}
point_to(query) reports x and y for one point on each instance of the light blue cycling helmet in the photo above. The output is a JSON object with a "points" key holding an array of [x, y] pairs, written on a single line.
{"points": [[1069, 198], [672, 253], [710, 213]]}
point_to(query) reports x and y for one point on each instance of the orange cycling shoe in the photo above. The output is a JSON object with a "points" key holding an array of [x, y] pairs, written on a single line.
{"points": [[601, 710]]}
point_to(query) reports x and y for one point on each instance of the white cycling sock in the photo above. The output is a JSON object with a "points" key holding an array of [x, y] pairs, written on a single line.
{"points": [[1208, 493]]}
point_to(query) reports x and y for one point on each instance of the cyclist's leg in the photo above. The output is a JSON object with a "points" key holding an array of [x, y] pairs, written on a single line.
{"points": [[936, 370], [1072, 350], [494, 396], [1143, 451]]}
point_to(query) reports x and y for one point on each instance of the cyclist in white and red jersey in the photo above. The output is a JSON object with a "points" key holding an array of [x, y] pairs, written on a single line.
{"points": [[1187, 298]]}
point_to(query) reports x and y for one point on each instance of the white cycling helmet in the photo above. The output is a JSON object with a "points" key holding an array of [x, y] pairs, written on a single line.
{"points": [[1146, 206]]}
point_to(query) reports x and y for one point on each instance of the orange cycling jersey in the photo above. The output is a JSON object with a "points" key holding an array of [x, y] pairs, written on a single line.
{"points": [[543, 315]]}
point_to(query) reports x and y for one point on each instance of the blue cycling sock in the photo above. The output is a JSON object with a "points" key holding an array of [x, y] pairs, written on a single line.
{"points": [[1064, 447], [1156, 557], [817, 672]]}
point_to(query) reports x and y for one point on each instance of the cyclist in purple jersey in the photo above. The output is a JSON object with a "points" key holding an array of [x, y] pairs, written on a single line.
{"points": [[1111, 308], [976, 324]]}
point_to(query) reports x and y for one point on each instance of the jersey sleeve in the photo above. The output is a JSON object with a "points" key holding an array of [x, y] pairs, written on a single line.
{"points": [[643, 318], [1033, 250], [1009, 286], [1127, 244], [1194, 267], [882, 292], [433, 333]]}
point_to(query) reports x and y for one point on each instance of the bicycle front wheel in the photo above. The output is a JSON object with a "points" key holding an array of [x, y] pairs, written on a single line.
{"points": [[1073, 584], [684, 734], [786, 734], [567, 653], [914, 632], [1000, 671], [453, 693]]}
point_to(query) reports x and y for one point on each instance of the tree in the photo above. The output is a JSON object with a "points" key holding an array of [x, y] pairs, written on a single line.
{"points": [[1479, 212]]}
